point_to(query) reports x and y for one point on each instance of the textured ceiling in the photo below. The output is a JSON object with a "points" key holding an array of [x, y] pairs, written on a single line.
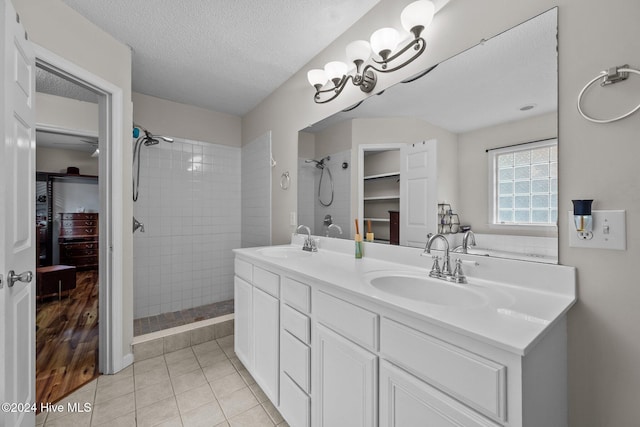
{"points": [[66, 140], [222, 55], [483, 86]]}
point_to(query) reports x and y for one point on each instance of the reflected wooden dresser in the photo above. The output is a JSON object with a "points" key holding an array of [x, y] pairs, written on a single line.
{"points": [[79, 240], [394, 227]]}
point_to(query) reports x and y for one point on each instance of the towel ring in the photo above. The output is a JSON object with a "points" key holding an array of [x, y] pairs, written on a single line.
{"points": [[285, 180], [608, 78]]}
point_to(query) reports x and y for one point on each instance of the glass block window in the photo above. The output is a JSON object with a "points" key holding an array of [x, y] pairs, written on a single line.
{"points": [[525, 184]]}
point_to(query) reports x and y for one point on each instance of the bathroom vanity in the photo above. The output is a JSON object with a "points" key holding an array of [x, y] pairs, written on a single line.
{"points": [[335, 341]]}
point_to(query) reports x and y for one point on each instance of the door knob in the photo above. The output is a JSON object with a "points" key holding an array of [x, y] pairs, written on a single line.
{"points": [[25, 277]]}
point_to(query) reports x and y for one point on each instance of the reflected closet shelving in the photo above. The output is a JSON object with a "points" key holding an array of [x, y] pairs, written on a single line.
{"points": [[381, 193]]}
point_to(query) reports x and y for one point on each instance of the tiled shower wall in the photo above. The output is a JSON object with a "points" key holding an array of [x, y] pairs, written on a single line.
{"points": [[310, 211], [189, 202], [256, 192]]}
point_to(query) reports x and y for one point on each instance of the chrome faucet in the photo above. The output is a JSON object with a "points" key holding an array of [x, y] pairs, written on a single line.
{"points": [[446, 266], [445, 273], [464, 248], [465, 241], [309, 244], [336, 226]]}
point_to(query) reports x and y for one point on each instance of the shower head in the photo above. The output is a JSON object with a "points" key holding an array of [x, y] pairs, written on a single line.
{"points": [[148, 138], [319, 163], [151, 139]]}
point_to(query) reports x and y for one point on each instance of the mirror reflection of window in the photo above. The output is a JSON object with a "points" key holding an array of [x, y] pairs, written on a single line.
{"points": [[525, 184]]}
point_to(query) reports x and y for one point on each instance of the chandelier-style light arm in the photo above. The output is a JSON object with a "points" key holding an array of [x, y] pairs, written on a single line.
{"points": [[419, 44], [415, 18], [336, 90], [365, 81]]}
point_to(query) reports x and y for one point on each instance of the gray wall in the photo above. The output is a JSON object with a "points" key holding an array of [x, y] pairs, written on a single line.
{"points": [[597, 161]]}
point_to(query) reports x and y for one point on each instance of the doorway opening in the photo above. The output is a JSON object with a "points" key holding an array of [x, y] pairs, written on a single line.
{"points": [[67, 229]]}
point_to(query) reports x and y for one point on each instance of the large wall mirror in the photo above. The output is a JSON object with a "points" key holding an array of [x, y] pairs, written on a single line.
{"points": [[489, 118]]}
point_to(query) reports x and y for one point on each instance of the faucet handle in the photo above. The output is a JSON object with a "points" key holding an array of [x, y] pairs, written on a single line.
{"points": [[435, 268], [458, 275]]}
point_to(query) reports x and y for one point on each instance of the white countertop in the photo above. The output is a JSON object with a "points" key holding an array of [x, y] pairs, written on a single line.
{"points": [[520, 299]]}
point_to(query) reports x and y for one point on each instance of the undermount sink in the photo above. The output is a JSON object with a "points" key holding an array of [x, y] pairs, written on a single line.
{"points": [[286, 252], [427, 289]]}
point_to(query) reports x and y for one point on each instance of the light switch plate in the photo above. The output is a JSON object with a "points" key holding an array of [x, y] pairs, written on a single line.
{"points": [[609, 231]]}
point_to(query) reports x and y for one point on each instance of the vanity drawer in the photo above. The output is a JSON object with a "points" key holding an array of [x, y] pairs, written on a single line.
{"points": [[295, 360], [295, 405], [267, 281], [243, 269], [472, 379], [349, 320], [296, 323], [296, 294]]}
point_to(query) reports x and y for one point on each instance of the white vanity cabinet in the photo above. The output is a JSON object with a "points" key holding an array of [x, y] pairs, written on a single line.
{"points": [[243, 323], [346, 383], [405, 401], [327, 356], [257, 328], [295, 353], [345, 364], [429, 373]]}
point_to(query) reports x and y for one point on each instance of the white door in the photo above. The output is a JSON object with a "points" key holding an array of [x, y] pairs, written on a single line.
{"points": [[418, 193], [347, 386], [17, 221]]}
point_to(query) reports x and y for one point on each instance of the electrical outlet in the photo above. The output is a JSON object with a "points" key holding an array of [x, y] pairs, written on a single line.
{"points": [[609, 231], [293, 220]]}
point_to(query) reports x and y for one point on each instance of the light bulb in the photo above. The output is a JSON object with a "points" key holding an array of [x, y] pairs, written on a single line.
{"points": [[335, 70], [417, 16], [358, 51], [317, 78], [384, 41]]}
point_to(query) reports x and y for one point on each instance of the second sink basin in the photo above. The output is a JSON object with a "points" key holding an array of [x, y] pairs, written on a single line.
{"points": [[284, 252], [427, 289]]}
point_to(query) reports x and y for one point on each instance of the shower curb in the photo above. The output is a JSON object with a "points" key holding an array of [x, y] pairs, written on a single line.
{"points": [[173, 339]]}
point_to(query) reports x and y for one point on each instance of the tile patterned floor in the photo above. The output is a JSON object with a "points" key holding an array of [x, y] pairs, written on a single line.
{"points": [[203, 385], [146, 325]]}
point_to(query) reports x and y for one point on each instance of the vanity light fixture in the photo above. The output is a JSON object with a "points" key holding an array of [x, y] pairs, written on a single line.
{"points": [[384, 46], [582, 218]]}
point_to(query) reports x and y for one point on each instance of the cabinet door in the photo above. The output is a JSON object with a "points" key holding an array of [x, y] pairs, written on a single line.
{"points": [[243, 339], [266, 333], [346, 382], [406, 401]]}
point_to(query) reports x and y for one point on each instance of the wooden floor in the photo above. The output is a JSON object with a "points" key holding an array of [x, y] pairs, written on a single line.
{"points": [[67, 340]]}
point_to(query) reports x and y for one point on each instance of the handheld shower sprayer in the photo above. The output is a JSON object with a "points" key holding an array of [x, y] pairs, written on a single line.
{"points": [[320, 165], [146, 138]]}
